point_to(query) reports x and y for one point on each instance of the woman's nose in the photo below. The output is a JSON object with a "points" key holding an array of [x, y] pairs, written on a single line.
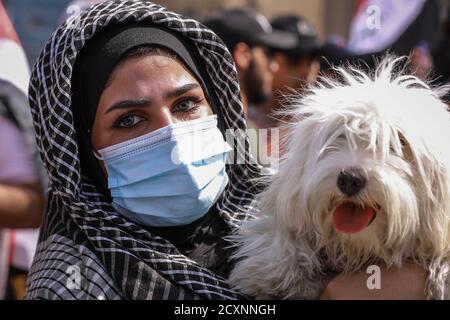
{"points": [[162, 117]]}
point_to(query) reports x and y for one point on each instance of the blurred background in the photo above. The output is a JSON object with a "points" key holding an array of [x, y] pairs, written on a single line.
{"points": [[35, 20]]}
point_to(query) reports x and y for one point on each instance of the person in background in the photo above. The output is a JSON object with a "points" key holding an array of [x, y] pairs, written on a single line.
{"points": [[297, 67], [250, 39], [21, 185]]}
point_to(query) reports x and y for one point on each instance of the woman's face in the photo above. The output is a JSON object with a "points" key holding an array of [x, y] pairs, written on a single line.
{"points": [[144, 94]]}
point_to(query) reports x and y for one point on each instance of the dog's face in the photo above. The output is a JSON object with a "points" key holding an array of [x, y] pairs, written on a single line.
{"points": [[367, 171]]}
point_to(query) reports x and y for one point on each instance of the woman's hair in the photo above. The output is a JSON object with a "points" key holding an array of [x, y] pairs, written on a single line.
{"points": [[148, 50]]}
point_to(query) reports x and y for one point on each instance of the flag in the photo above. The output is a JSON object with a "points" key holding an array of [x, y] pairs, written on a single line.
{"points": [[378, 24]]}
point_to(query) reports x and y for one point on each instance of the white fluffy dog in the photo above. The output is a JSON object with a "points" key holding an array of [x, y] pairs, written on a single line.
{"points": [[365, 181]]}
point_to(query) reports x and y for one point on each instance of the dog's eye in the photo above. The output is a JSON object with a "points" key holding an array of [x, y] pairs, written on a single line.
{"points": [[402, 145], [403, 142]]}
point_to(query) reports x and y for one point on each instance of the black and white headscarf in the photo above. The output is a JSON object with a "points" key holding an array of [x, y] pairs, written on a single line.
{"points": [[86, 249]]}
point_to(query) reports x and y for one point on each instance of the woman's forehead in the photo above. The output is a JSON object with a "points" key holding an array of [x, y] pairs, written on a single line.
{"points": [[151, 72], [159, 80]]}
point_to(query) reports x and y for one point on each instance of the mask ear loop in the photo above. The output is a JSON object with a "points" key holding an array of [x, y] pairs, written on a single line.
{"points": [[97, 155], [94, 152]]}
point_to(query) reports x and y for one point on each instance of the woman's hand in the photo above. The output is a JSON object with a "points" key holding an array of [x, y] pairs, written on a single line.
{"points": [[406, 283]]}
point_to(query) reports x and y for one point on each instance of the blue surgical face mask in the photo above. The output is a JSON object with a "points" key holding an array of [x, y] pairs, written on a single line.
{"points": [[168, 177]]}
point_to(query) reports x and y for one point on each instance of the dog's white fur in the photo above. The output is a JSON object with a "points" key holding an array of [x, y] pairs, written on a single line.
{"points": [[393, 126]]}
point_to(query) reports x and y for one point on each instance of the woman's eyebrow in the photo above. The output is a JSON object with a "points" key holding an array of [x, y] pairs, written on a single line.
{"points": [[144, 102], [181, 90], [126, 104]]}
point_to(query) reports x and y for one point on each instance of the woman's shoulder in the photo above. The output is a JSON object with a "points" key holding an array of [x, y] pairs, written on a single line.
{"points": [[64, 270]]}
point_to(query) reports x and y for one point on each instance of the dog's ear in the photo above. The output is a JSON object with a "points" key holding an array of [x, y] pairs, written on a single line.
{"points": [[437, 217], [434, 184], [427, 140]]}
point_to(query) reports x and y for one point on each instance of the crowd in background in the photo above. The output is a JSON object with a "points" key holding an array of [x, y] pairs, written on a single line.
{"points": [[274, 59]]}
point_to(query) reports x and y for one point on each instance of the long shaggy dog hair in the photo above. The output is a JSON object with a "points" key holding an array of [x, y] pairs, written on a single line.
{"points": [[365, 180]]}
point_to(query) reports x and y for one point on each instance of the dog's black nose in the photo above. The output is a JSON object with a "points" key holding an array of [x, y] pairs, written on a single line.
{"points": [[351, 181]]}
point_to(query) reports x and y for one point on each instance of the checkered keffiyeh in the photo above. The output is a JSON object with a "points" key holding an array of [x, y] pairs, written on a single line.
{"points": [[82, 234]]}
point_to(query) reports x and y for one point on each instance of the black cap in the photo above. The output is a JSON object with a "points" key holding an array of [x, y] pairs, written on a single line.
{"points": [[245, 25], [304, 32]]}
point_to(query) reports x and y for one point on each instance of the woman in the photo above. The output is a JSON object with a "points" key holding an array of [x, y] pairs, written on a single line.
{"points": [[132, 69]]}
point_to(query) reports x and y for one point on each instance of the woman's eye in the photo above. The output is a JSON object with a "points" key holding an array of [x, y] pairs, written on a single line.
{"points": [[129, 121], [185, 106]]}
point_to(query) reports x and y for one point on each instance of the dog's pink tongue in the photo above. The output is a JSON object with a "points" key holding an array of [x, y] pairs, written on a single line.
{"points": [[351, 218]]}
